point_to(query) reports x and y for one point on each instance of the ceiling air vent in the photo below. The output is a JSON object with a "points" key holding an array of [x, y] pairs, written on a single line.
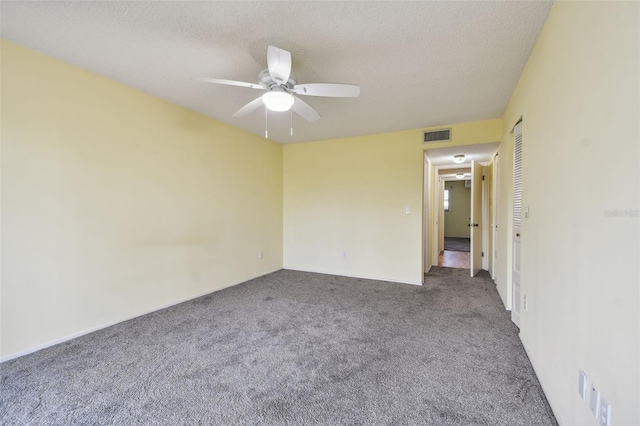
{"points": [[437, 136]]}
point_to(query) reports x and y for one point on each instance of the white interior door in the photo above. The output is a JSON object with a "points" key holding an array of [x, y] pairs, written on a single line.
{"points": [[517, 222], [515, 310], [476, 218], [441, 220], [495, 216]]}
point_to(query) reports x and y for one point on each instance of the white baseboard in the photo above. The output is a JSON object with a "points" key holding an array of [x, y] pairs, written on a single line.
{"points": [[68, 337], [389, 280], [551, 403]]}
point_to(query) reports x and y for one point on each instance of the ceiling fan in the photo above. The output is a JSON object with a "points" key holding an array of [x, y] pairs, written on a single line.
{"points": [[281, 88]]}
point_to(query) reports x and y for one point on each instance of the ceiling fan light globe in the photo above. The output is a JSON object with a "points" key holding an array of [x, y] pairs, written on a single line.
{"points": [[459, 175], [278, 101], [458, 158]]}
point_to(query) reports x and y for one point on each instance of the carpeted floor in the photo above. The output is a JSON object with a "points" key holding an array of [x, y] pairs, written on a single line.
{"points": [[457, 244], [293, 348]]}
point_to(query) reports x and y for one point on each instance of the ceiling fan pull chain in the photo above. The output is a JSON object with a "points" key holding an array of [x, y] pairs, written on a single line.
{"points": [[266, 123], [291, 129]]}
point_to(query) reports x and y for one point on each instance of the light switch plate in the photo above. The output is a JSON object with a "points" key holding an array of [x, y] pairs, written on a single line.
{"points": [[604, 416], [582, 385], [594, 401]]}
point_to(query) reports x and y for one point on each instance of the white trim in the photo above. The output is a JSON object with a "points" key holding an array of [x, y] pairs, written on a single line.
{"points": [[494, 216], [441, 219], [389, 280], [485, 221], [435, 219], [542, 385], [68, 337], [426, 215]]}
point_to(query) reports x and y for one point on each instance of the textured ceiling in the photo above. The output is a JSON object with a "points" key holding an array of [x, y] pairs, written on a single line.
{"points": [[419, 64], [443, 157]]}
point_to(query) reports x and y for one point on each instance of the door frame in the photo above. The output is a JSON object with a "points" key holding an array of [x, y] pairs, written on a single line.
{"points": [[427, 260], [440, 221], [485, 216], [494, 215], [433, 210], [436, 185], [437, 218]]}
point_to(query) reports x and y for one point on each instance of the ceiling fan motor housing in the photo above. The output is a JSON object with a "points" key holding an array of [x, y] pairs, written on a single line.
{"points": [[265, 80]]}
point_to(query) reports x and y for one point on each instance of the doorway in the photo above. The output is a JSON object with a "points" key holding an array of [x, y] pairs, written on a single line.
{"points": [[456, 203], [447, 170]]}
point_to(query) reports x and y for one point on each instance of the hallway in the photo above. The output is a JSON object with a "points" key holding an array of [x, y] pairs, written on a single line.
{"points": [[454, 259]]}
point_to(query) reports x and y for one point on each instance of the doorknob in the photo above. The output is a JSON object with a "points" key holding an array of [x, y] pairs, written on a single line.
{"points": [[475, 224], [517, 235]]}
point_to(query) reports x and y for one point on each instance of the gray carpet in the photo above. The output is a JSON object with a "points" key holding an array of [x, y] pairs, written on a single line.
{"points": [[293, 348], [457, 244]]}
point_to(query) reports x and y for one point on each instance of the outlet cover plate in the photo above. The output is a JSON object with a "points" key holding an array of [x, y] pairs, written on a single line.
{"points": [[594, 401], [604, 414]]}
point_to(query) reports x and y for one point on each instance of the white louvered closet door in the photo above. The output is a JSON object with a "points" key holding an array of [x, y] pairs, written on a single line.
{"points": [[517, 222]]}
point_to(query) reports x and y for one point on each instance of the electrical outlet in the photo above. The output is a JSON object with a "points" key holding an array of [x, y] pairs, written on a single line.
{"points": [[594, 401], [604, 416], [526, 303], [582, 385], [344, 253], [260, 255], [407, 210]]}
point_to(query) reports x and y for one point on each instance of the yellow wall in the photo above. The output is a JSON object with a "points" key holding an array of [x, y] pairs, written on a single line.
{"points": [[351, 194], [579, 100], [116, 203], [456, 220]]}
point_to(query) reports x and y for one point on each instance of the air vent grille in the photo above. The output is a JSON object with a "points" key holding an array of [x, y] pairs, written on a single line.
{"points": [[437, 136]]}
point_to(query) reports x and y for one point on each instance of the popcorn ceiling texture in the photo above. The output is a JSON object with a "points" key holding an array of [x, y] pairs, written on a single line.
{"points": [[478, 153], [293, 348], [418, 64]]}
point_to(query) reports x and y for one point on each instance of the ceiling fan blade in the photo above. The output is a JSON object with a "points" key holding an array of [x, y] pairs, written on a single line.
{"points": [[335, 90], [279, 64], [304, 110], [249, 108], [231, 83]]}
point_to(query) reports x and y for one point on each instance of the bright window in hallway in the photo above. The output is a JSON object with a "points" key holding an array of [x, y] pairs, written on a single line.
{"points": [[446, 200]]}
